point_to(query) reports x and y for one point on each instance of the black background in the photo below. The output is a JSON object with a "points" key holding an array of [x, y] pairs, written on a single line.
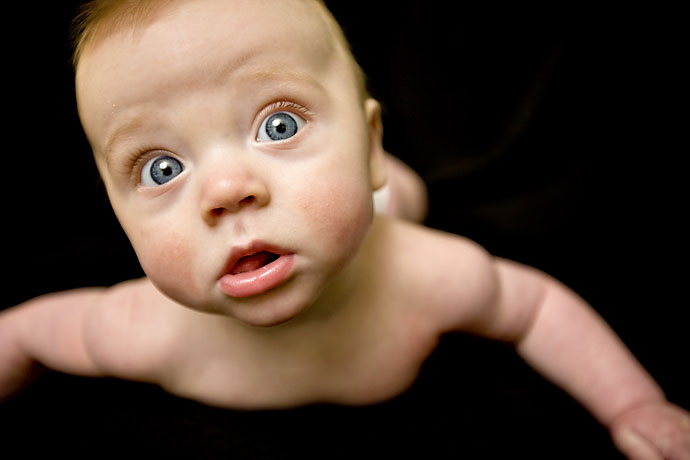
{"points": [[552, 136]]}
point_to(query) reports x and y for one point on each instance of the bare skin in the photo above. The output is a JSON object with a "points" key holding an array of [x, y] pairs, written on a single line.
{"points": [[363, 300], [351, 354]]}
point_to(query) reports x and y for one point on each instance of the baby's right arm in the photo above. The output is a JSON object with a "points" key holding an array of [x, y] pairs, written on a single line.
{"points": [[48, 330], [88, 332]]}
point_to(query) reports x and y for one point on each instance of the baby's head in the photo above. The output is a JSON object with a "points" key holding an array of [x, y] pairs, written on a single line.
{"points": [[237, 146]]}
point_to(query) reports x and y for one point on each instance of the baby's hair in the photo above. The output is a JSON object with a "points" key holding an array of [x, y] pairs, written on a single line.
{"points": [[99, 18]]}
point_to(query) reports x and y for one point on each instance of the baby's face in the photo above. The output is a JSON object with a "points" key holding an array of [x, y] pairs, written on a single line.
{"points": [[236, 152]]}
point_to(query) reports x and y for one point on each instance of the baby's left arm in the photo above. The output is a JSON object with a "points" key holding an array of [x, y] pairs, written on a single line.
{"points": [[405, 192], [562, 337]]}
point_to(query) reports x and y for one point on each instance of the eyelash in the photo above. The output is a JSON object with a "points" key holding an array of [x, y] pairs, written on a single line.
{"points": [[282, 105]]}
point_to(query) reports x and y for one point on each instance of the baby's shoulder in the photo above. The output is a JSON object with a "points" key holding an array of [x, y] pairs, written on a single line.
{"points": [[448, 277], [133, 331]]}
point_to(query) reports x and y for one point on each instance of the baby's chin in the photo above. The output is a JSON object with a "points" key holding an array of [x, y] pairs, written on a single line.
{"points": [[269, 309]]}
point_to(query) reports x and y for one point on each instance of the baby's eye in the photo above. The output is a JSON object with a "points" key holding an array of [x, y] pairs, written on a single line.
{"points": [[279, 126], [159, 170]]}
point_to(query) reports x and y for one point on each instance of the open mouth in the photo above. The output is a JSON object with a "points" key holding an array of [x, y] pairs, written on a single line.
{"points": [[256, 272], [253, 262]]}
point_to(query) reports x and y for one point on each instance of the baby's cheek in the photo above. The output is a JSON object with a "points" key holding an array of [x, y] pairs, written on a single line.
{"points": [[167, 261], [341, 213]]}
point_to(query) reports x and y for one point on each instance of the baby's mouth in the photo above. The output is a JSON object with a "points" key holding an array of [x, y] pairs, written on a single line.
{"points": [[253, 262]]}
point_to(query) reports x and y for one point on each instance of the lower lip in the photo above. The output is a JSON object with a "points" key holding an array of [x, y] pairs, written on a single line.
{"points": [[258, 281]]}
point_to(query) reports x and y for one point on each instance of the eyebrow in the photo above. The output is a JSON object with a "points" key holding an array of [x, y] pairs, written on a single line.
{"points": [[123, 131], [284, 74]]}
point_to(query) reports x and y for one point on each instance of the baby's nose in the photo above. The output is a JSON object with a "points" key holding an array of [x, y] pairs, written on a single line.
{"points": [[229, 192]]}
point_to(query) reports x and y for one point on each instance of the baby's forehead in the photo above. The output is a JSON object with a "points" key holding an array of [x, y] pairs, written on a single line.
{"points": [[117, 16], [297, 31]]}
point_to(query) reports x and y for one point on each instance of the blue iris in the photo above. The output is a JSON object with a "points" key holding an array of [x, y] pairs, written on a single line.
{"points": [[281, 126], [163, 169]]}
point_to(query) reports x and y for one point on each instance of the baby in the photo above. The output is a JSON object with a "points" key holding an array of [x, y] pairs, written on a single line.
{"points": [[240, 151]]}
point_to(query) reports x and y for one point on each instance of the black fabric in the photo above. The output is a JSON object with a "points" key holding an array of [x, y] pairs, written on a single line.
{"points": [[553, 137]]}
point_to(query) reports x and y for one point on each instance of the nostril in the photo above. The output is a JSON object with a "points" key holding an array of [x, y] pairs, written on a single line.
{"points": [[247, 200], [244, 202]]}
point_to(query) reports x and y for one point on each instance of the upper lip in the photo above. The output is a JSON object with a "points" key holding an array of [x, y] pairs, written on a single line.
{"points": [[254, 247]]}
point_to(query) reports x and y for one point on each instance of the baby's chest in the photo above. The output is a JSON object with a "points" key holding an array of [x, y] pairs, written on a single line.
{"points": [[372, 368], [379, 370]]}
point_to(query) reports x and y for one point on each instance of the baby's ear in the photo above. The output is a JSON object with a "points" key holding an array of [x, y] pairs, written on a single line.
{"points": [[377, 155]]}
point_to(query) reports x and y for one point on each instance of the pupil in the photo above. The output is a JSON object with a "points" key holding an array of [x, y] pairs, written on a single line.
{"points": [[165, 168], [281, 128]]}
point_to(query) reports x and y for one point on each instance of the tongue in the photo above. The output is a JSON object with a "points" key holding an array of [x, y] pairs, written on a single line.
{"points": [[252, 262]]}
